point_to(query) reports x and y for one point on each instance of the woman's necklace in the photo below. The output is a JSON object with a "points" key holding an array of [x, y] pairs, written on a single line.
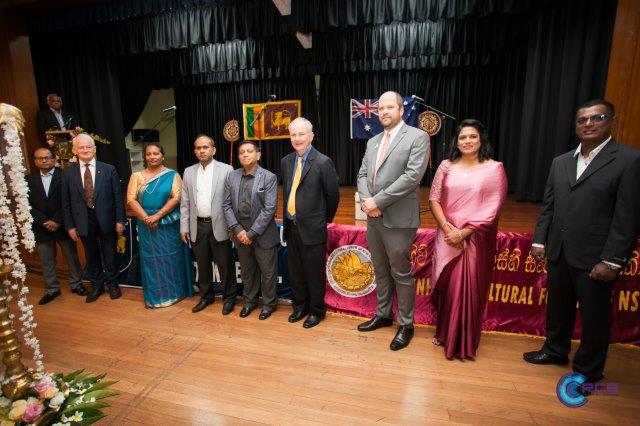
{"points": [[155, 186]]}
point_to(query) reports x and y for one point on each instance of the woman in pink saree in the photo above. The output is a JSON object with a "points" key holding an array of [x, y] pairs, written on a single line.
{"points": [[466, 199]]}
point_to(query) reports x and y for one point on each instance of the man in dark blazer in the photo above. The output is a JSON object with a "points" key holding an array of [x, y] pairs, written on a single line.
{"points": [[94, 212], [45, 199], [250, 198], [388, 185], [587, 228], [311, 195], [54, 118]]}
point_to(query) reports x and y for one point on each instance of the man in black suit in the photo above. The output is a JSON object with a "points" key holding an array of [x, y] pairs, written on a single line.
{"points": [[588, 225], [94, 212], [54, 118], [311, 196], [45, 200]]}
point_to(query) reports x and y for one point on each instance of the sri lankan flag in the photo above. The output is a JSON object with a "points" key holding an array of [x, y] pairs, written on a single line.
{"points": [[273, 119]]}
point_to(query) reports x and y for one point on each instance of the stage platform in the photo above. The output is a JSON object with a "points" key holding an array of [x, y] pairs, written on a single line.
{"points": [[516, 216]]}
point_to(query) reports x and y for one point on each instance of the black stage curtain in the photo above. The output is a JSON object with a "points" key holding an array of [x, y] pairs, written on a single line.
{"points": [[206, 108], [89, 89]]}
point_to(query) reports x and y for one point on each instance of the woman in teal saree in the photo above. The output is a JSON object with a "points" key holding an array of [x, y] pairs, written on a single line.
{"points": [[165, 262]]}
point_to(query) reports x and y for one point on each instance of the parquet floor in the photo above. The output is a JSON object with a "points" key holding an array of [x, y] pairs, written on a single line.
{"points": [[175, 367]]}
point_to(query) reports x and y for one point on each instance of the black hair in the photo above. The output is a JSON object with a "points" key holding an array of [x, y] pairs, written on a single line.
{"points": [[611, 111], [245, 142], [144, 150], [203, 135], [485, 153]]}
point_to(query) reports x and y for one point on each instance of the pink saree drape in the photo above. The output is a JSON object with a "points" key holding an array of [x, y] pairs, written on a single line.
{"points": [[470, 199]]}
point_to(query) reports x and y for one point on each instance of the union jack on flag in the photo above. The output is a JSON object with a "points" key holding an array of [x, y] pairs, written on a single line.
{"points": [[364, 117]]}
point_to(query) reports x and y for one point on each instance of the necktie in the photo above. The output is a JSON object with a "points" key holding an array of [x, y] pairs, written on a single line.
{"points": [[291, 205], [383, 151], [88, 186]]}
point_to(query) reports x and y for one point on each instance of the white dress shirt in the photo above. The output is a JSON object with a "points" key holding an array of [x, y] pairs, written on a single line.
{"points": [[58, 115], [583, 162], [92, 168], [46, 180], [204, 187]]}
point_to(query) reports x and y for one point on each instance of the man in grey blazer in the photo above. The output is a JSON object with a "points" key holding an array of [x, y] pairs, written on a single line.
{"points": [[250, 198], [388, 182], [202, 223]]}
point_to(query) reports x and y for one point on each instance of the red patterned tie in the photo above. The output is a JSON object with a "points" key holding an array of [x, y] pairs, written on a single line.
{"points": [[88, 186]]}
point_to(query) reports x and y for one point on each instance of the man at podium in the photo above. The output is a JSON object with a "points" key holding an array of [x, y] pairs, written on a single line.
{"points": [[54, 118]]}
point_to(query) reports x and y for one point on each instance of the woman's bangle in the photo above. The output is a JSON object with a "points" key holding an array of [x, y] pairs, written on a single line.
{"points": [[445, 223], [460, 234]]}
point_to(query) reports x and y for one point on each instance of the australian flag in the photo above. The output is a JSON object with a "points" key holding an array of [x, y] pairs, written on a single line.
{"points": [[364, 117]]}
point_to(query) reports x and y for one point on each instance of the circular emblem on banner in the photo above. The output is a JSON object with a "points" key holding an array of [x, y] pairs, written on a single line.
{"points": [[231, 131], [350, 271], [430, 122]]}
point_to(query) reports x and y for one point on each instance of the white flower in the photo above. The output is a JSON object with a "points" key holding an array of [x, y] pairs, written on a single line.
{"points": [[77, 417], [4, 402], [57, 400]]}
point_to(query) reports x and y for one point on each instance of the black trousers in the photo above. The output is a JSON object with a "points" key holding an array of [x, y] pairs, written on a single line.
{"points": [[567, 285], [306, 265], [207, 249], [100, 252]]}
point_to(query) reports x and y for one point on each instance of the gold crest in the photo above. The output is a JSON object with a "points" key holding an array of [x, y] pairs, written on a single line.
{"points": [[350, 271], [430, 122], [231, 131]]}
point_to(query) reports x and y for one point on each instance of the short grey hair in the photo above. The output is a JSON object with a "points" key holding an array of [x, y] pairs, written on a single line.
{"points": [[84, 136], [299, 121], [51, 96]]}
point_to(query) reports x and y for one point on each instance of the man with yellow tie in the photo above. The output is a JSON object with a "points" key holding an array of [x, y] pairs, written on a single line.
{"points": [[311, 196]]}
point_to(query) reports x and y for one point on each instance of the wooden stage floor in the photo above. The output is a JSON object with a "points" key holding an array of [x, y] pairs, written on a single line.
{"points": [[175, 367], [516, 216]]}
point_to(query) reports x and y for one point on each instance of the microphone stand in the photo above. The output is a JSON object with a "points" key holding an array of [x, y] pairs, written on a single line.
{"points": [[444, 116], [141, 139], [258, 117]]}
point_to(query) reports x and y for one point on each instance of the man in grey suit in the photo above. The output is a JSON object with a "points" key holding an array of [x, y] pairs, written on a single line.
{"points": [[250, 198], [202, 223], [388, 184]]}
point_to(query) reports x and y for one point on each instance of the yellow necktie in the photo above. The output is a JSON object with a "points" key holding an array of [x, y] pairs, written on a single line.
{"points": [[291, 205]]}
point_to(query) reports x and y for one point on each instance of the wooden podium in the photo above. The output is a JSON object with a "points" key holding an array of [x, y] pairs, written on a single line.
{"points": [[62, 146]]}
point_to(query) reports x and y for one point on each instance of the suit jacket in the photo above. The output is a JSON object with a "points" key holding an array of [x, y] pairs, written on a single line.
{"points": [[107, 195], [48, 121], [317, 195], [398, 180], [46, 207], [189, 209], [264, 198], [596, 217]]}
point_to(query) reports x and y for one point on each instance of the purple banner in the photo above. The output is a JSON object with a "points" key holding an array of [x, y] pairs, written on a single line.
{"points": [[517, 294]]}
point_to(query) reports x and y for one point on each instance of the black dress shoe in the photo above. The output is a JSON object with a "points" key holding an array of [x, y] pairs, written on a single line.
{"points": [[297, 316], [114, 292], [227, 308], [80, 290], [246, 311], [375, 323], [264, 315], [95, 292], [402, 339], [312, 320], [48, 297], [541, 357], [201, 305]]}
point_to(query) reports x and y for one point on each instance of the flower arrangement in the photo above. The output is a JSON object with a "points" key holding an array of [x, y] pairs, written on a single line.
{"points": [[28, 396], [60, 143], [55, 399]]}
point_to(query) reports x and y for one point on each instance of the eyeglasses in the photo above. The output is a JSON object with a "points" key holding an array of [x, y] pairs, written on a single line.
{"points": [[596, 118], [43, 158]]}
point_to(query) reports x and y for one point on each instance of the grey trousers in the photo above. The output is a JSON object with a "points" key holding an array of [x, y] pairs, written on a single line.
{"points": [[47, 252], [391, 256], [259, 271]]}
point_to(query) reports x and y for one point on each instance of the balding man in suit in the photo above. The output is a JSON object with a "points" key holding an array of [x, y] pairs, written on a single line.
{"points": [[388, 184]]}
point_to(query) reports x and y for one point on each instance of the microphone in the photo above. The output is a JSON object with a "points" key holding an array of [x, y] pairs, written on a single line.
{"points": [[171, 108], [417, 98], [272, 97]]}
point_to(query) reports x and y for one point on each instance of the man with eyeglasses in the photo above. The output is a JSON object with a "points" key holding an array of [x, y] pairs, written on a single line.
{"points": [[588, 225], [45, 199]]}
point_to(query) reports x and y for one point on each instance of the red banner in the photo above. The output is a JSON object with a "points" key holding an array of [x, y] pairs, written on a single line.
{"points": [[517, 294]]}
